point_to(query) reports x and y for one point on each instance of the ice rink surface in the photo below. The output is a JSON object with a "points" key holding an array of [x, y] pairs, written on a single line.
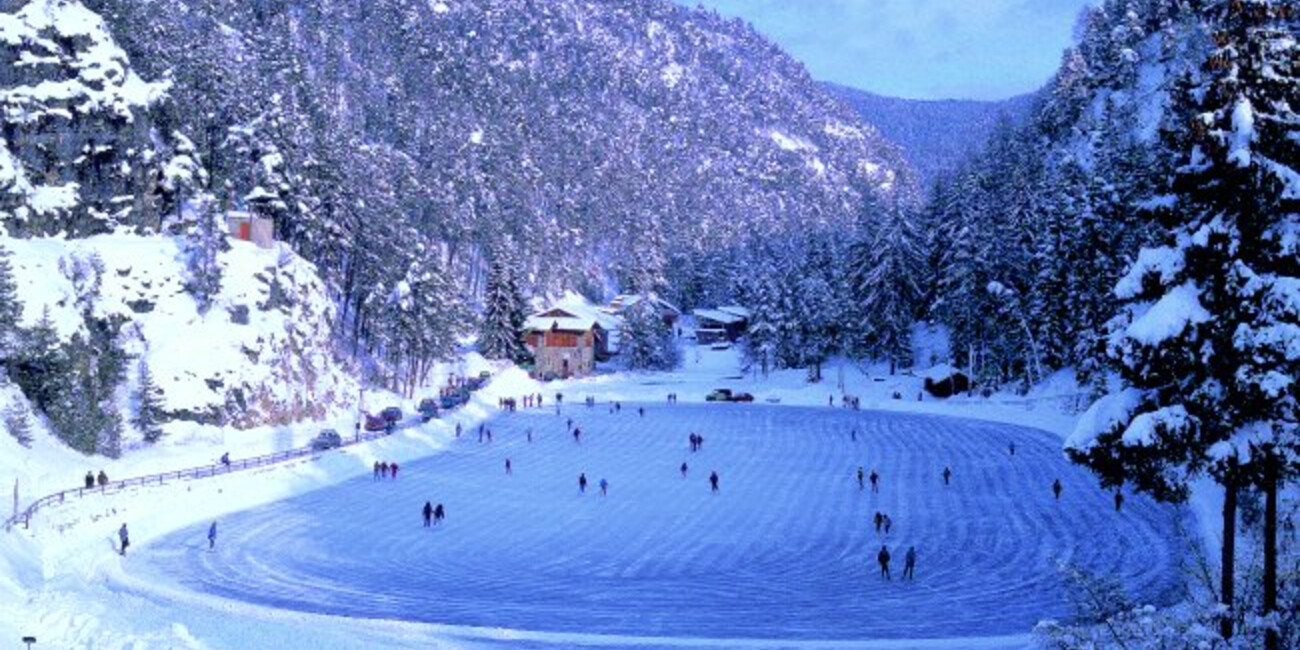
{"points": [[785, 550]]}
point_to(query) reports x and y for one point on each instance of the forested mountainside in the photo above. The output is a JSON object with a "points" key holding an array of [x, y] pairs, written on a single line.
{"points": [[389, 138], [403, 147], [936, 136], [1029, 241]]}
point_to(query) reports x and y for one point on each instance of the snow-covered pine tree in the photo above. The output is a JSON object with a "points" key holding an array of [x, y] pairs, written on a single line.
{"points": [[17, 420], [884, 273], [41, 369], [205, 240], [148, 413], [11, 307], [501, 335], [1206, 341], [647, 342]]}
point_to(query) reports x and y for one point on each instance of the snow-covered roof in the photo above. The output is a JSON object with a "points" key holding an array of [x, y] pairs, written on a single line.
{"points": [[737, 310], [623, 301], [560, 319], [717, 316], [942, 372]]}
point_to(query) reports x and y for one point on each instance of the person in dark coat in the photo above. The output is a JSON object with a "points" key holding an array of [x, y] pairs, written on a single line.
{"points": [[508, 468], [883, 558], [428, 514], [889, 523], [90, 479], [212, 536], [103, 478], [879, 520], [376, 470], [1119, 500], [909, 563], [393, 468], [875, 481], [1012, 447], [582, 483], [125, 538], [577, 435], [860, 475], [383, 469], [713, 480], [947, 475], [683, 468], [438, 513], [1056, 488], [604, 487]]}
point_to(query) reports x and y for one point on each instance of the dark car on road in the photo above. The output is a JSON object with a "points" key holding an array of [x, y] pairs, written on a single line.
{"points": [[327, 439], [391, 414], [428, 409]]}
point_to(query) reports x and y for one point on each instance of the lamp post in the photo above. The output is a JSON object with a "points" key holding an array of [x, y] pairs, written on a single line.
{"points": [[29, 640]]}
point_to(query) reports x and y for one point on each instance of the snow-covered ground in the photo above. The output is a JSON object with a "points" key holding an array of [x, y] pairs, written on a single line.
{"points": [[784, 554]]}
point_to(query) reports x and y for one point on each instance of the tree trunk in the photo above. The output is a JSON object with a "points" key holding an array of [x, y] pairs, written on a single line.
{"points": [[1228, 559], [1271, 640]]}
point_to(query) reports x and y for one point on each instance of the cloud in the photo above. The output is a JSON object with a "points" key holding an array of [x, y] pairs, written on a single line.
{"points": [[927, 49]]}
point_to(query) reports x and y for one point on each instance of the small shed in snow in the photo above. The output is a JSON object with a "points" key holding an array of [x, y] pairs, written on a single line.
{"points": [[248, 227], [944, 380], [715, 325], [667, 310]]}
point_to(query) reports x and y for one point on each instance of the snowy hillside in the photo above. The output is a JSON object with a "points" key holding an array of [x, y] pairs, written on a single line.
{"points": [[261, 354]]}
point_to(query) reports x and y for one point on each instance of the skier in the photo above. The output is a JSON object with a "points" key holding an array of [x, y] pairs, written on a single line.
{"points": [[713, 480], [1119, 500], [879, 520], [1056, 488], [90, 479], [875, 481], [438, 513], [860, 475], [428, 514], [883, 558], [947, 475], [508, 471], [125, 538], [604, 487], [212, 536], [582, 483], [909, 563]]}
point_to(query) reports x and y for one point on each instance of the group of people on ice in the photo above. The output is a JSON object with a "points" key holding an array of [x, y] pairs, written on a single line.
{"points": [[433, 514], [385, 469]]}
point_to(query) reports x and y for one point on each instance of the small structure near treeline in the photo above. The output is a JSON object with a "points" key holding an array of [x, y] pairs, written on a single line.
{"points": [[249, 227], [944, 380], [722, 324]]}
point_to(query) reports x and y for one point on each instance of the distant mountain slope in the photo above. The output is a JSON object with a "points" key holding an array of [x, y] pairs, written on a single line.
{"points": [[936, 136]]}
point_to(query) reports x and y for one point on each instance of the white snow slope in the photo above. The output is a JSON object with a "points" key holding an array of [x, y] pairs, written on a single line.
{"points": [[319, 554]]}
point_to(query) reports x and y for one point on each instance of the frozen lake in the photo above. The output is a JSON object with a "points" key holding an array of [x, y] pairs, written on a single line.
{"points": [[785, 550]]}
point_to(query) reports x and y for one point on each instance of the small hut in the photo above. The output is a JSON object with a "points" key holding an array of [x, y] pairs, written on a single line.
{"points": [[564, 343], [944, 380]]}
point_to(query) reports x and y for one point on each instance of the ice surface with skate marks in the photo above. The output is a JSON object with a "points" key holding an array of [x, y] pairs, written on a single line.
{"points": [[785, 551]]}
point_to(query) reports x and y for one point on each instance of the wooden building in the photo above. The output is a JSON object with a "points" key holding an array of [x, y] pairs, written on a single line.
{"points": [[565, 343], [247, 227], [667, 310], [944, 380], [716, 325]]}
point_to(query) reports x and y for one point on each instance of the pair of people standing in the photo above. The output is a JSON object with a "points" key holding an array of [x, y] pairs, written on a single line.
{"points": [[433, 514]]}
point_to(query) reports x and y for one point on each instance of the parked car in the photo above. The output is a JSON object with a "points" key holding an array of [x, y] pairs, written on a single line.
{"points": [[742, 397], [375, 423], [428, 409], [327, 439], [719, 395], [450, 401], [474, 383], [391, 414], [484, 376]]}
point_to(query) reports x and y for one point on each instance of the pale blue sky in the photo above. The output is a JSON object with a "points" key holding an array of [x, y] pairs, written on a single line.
{"points": [[919, 49]]}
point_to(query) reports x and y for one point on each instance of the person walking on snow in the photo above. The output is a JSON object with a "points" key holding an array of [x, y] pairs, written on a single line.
{"points": [[683, 469], [713, 481], [1012, 447], [376, 470], [1119, 500], [860, 475], [428, 514], [947, 475], [508, 470], [212, 536], [889, 523], [438, 513], [875, 481], [909, 563], [883, 558], [90, 479], [393, 468], [1056, 488], [383, 469], [125, 538], [879, 520], [582, 483], [604, 487]]}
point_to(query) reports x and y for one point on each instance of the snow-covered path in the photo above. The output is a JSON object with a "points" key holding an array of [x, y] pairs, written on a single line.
{"points": [[786, 550]]}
